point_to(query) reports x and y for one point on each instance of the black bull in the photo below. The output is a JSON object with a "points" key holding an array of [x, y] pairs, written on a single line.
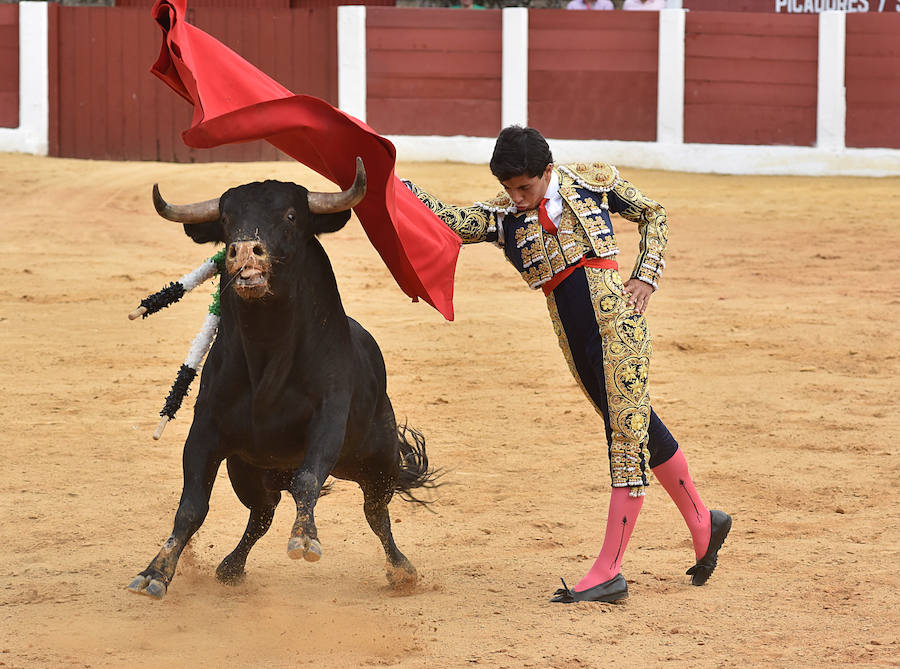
{"points": [[293, 389]]}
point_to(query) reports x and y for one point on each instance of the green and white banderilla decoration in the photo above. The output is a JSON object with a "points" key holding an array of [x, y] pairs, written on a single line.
{"points": [[202, 342]]}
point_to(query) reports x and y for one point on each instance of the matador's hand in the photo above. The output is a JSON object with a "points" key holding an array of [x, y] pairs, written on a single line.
{"points": [[638, 293]]}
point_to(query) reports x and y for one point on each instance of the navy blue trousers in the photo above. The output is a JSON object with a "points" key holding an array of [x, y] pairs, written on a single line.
{"points": [[576, 313]]}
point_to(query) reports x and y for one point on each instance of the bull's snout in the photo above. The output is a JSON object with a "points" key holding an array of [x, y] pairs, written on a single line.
{"points": [[249, 264], [240, 253]]}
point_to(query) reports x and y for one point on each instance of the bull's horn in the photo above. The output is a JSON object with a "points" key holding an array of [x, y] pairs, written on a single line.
{"points": [[198, 212], [329, 203]]}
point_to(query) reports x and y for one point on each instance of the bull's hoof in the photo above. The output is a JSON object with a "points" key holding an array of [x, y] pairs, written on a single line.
{"points": [[229, 575], [401, 577], [304, 547], [150, 587]]}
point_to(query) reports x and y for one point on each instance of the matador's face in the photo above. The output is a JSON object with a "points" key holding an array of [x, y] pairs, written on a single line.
{"points": [[527, 192]]}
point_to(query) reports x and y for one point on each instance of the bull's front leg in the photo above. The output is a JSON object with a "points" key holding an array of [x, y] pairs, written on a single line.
{"points": [[326, 439], [200, 468]]}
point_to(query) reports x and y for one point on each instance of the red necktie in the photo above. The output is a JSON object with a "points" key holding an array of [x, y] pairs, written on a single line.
{"points": [[544, 217]]}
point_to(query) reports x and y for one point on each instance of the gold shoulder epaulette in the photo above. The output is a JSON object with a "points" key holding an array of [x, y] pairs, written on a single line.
{"points": [[502, 204], [598, 177]]}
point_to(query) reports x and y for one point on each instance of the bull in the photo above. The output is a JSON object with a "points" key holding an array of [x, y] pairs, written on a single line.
{"points": [[293, 390]]}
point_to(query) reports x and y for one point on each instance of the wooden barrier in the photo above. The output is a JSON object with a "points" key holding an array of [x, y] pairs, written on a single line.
{"points": [[9, 66], [433, 71], [111, 107], [434, 80], [873, 81], [592, 75], [750, 78]]}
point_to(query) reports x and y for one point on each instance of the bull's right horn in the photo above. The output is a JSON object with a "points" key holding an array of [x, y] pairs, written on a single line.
{"points": [[198, 212], [330, 203]]}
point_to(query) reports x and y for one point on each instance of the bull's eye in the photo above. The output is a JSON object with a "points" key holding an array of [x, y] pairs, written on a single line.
{"points": [[291, 217], [232, 252], [258, 250]]}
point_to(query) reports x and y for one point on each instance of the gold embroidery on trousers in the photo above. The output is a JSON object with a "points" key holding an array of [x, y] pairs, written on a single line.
{"points": [[626, 360]]}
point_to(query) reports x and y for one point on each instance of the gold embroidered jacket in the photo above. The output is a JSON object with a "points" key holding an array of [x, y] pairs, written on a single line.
{"points": [[589, 192]]}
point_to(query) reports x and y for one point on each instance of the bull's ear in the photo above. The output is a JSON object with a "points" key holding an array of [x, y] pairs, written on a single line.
{"points": [[205, 232], [320, 223]]}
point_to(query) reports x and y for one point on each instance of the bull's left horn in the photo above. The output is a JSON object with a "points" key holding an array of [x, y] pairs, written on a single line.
{"points": [[198, 212], [329, 203]]}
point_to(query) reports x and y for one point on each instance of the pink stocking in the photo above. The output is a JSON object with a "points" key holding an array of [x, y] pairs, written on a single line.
{"points": [[623, 513], [674, 476]]}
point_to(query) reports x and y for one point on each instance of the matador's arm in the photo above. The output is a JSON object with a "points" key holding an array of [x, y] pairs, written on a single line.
{"points": [[472, 224], [631, 204]]}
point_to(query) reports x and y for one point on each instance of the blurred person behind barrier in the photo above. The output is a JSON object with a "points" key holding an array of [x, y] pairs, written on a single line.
{"points": [[647, 5], [590, 4]]}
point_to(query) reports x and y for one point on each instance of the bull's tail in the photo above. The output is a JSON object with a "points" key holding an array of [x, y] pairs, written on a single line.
{"points": [[414, 469]]}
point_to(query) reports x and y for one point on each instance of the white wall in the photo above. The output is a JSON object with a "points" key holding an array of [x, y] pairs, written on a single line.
{"points": [[514, 86], [831, 113], [352, 95]]}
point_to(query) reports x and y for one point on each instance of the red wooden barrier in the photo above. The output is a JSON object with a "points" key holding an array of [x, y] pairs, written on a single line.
{"points": [[111, 107], [750, 78], [873, 81], [9, 66], [434, 71], [592, 75]]}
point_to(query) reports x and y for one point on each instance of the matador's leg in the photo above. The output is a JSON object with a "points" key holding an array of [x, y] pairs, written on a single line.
{"points": [[597, 356], [589, 373], [627, 350], [595, 365], [626, 362]]}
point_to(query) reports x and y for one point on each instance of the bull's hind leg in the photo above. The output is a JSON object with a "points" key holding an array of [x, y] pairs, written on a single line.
{"points": [[384, 470], [249, 485]]}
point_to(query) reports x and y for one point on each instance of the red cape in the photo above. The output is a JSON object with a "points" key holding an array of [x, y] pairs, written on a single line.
{"points": [[235, 102]]}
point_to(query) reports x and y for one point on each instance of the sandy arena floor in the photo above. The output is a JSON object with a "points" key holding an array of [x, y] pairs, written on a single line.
{"points": [[776, 366]]}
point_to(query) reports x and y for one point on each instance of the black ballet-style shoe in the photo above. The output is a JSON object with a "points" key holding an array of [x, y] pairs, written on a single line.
{"points": [[720, 525], [609, 591]]}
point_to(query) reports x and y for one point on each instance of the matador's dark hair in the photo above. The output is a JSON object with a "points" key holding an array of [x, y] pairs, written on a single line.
{"points": [[520, 151]]}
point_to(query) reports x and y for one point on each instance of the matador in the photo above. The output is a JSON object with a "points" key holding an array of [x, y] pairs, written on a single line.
{"points": [[553, 224]]}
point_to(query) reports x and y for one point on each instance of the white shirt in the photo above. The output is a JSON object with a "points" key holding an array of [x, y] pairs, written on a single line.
{"points": [[654, 5], [554, 203], [554, 199], [598, 4]]}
